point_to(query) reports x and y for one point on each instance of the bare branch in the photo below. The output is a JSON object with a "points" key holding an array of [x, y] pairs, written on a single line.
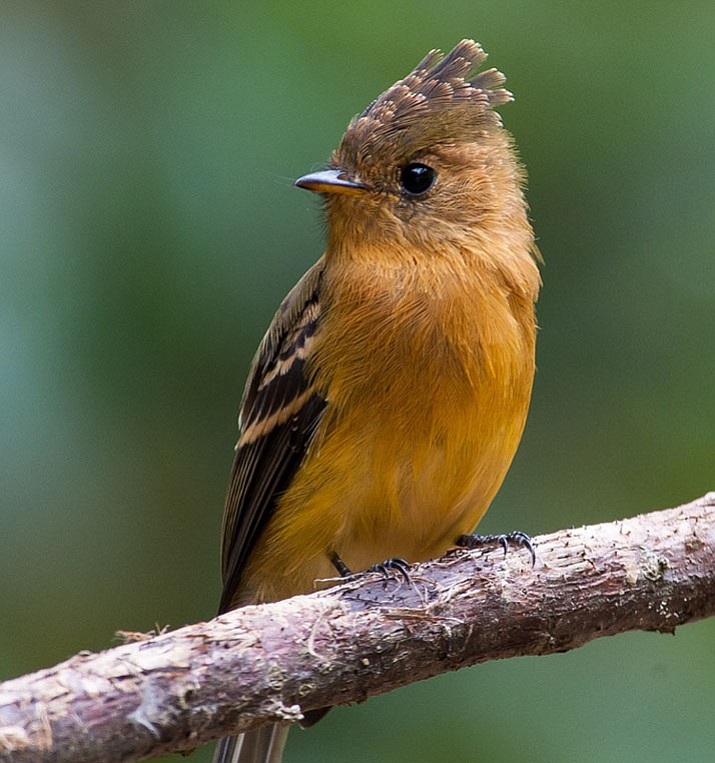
{"points": [[177, 690]]}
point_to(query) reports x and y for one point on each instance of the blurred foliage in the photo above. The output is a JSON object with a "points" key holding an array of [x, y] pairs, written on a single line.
{"points": [[149, 230]]}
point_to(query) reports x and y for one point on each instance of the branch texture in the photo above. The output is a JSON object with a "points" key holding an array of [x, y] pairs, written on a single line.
{"points": [[364, 637]]}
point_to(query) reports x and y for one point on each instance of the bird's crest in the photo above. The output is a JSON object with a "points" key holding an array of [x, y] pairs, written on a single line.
{"points": [[443, 98]]}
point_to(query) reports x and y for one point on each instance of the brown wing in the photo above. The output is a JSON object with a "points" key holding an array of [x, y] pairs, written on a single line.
{"points": [[279, 413]]}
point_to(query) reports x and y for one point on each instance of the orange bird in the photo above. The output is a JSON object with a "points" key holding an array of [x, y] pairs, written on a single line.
{"points": [[388, 397]]}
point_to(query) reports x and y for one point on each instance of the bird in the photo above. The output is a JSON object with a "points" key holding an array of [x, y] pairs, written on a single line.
{"points": [[388, 397]]}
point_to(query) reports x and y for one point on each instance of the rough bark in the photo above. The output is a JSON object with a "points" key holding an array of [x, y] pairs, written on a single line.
{"points": [[367, 636]]}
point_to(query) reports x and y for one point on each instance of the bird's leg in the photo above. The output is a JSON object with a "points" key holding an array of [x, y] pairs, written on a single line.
{"points": [[515, 538], [340, 566], [389, 565]]}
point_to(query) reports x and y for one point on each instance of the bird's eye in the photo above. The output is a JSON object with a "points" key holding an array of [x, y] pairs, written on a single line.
{"points": [[417, 178]]}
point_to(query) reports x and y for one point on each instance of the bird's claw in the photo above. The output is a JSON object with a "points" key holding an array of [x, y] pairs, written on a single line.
{"points": [[384, 568], [392, 565], [515, 538]]}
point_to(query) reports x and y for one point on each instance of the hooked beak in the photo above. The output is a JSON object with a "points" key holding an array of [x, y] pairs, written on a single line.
{"points": [[331, 181]]}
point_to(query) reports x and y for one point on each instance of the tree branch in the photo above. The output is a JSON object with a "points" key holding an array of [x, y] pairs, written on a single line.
{"points": [[260, 664]]}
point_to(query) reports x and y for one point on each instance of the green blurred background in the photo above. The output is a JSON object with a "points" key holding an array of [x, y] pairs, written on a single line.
{"points": [[149, 230]]}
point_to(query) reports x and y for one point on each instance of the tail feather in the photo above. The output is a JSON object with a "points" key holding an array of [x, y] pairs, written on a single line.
{"points": [[263, 745]]}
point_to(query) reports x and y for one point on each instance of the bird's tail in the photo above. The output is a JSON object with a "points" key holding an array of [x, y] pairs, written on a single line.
{"points": [[263, 745]]}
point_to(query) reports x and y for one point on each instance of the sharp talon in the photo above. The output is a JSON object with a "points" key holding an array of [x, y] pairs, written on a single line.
{"points": [[392, 565], [515, 538], [384, 568]]}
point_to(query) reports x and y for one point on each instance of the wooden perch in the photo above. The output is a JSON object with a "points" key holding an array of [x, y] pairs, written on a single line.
{"points": [[177, 690]]}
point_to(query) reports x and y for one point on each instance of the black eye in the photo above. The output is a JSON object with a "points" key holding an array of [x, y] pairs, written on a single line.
{"points": [[417, 178]]}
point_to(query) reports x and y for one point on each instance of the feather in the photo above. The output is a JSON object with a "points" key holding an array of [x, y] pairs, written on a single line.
{"points": [[279, 412], [442, 98]]}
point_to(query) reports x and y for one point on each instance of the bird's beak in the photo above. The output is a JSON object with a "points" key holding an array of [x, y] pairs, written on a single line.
{"points": [[331, 181]]}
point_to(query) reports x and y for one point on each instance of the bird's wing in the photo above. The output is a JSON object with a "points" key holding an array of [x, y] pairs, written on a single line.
{"points": [[279, 413]]}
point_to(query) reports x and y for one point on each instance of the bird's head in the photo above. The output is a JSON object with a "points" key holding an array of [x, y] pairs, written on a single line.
{"points": [[427, 163]]}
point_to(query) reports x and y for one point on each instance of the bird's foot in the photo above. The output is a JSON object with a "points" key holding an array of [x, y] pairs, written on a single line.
{"points": [[400, 566], [515, 538], [385, 568]]}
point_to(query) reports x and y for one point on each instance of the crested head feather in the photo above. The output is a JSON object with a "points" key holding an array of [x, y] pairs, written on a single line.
{"points": [[443, 99]]}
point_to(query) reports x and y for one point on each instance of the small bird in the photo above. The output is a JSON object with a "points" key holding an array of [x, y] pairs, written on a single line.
{"points": [[388, 397]]}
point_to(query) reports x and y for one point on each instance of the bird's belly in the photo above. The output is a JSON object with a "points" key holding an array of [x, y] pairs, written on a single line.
{"points": [[380, 486], [415, 497]]}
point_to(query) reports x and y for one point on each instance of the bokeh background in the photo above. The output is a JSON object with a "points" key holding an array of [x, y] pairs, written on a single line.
{"points": [[148, 230]]}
